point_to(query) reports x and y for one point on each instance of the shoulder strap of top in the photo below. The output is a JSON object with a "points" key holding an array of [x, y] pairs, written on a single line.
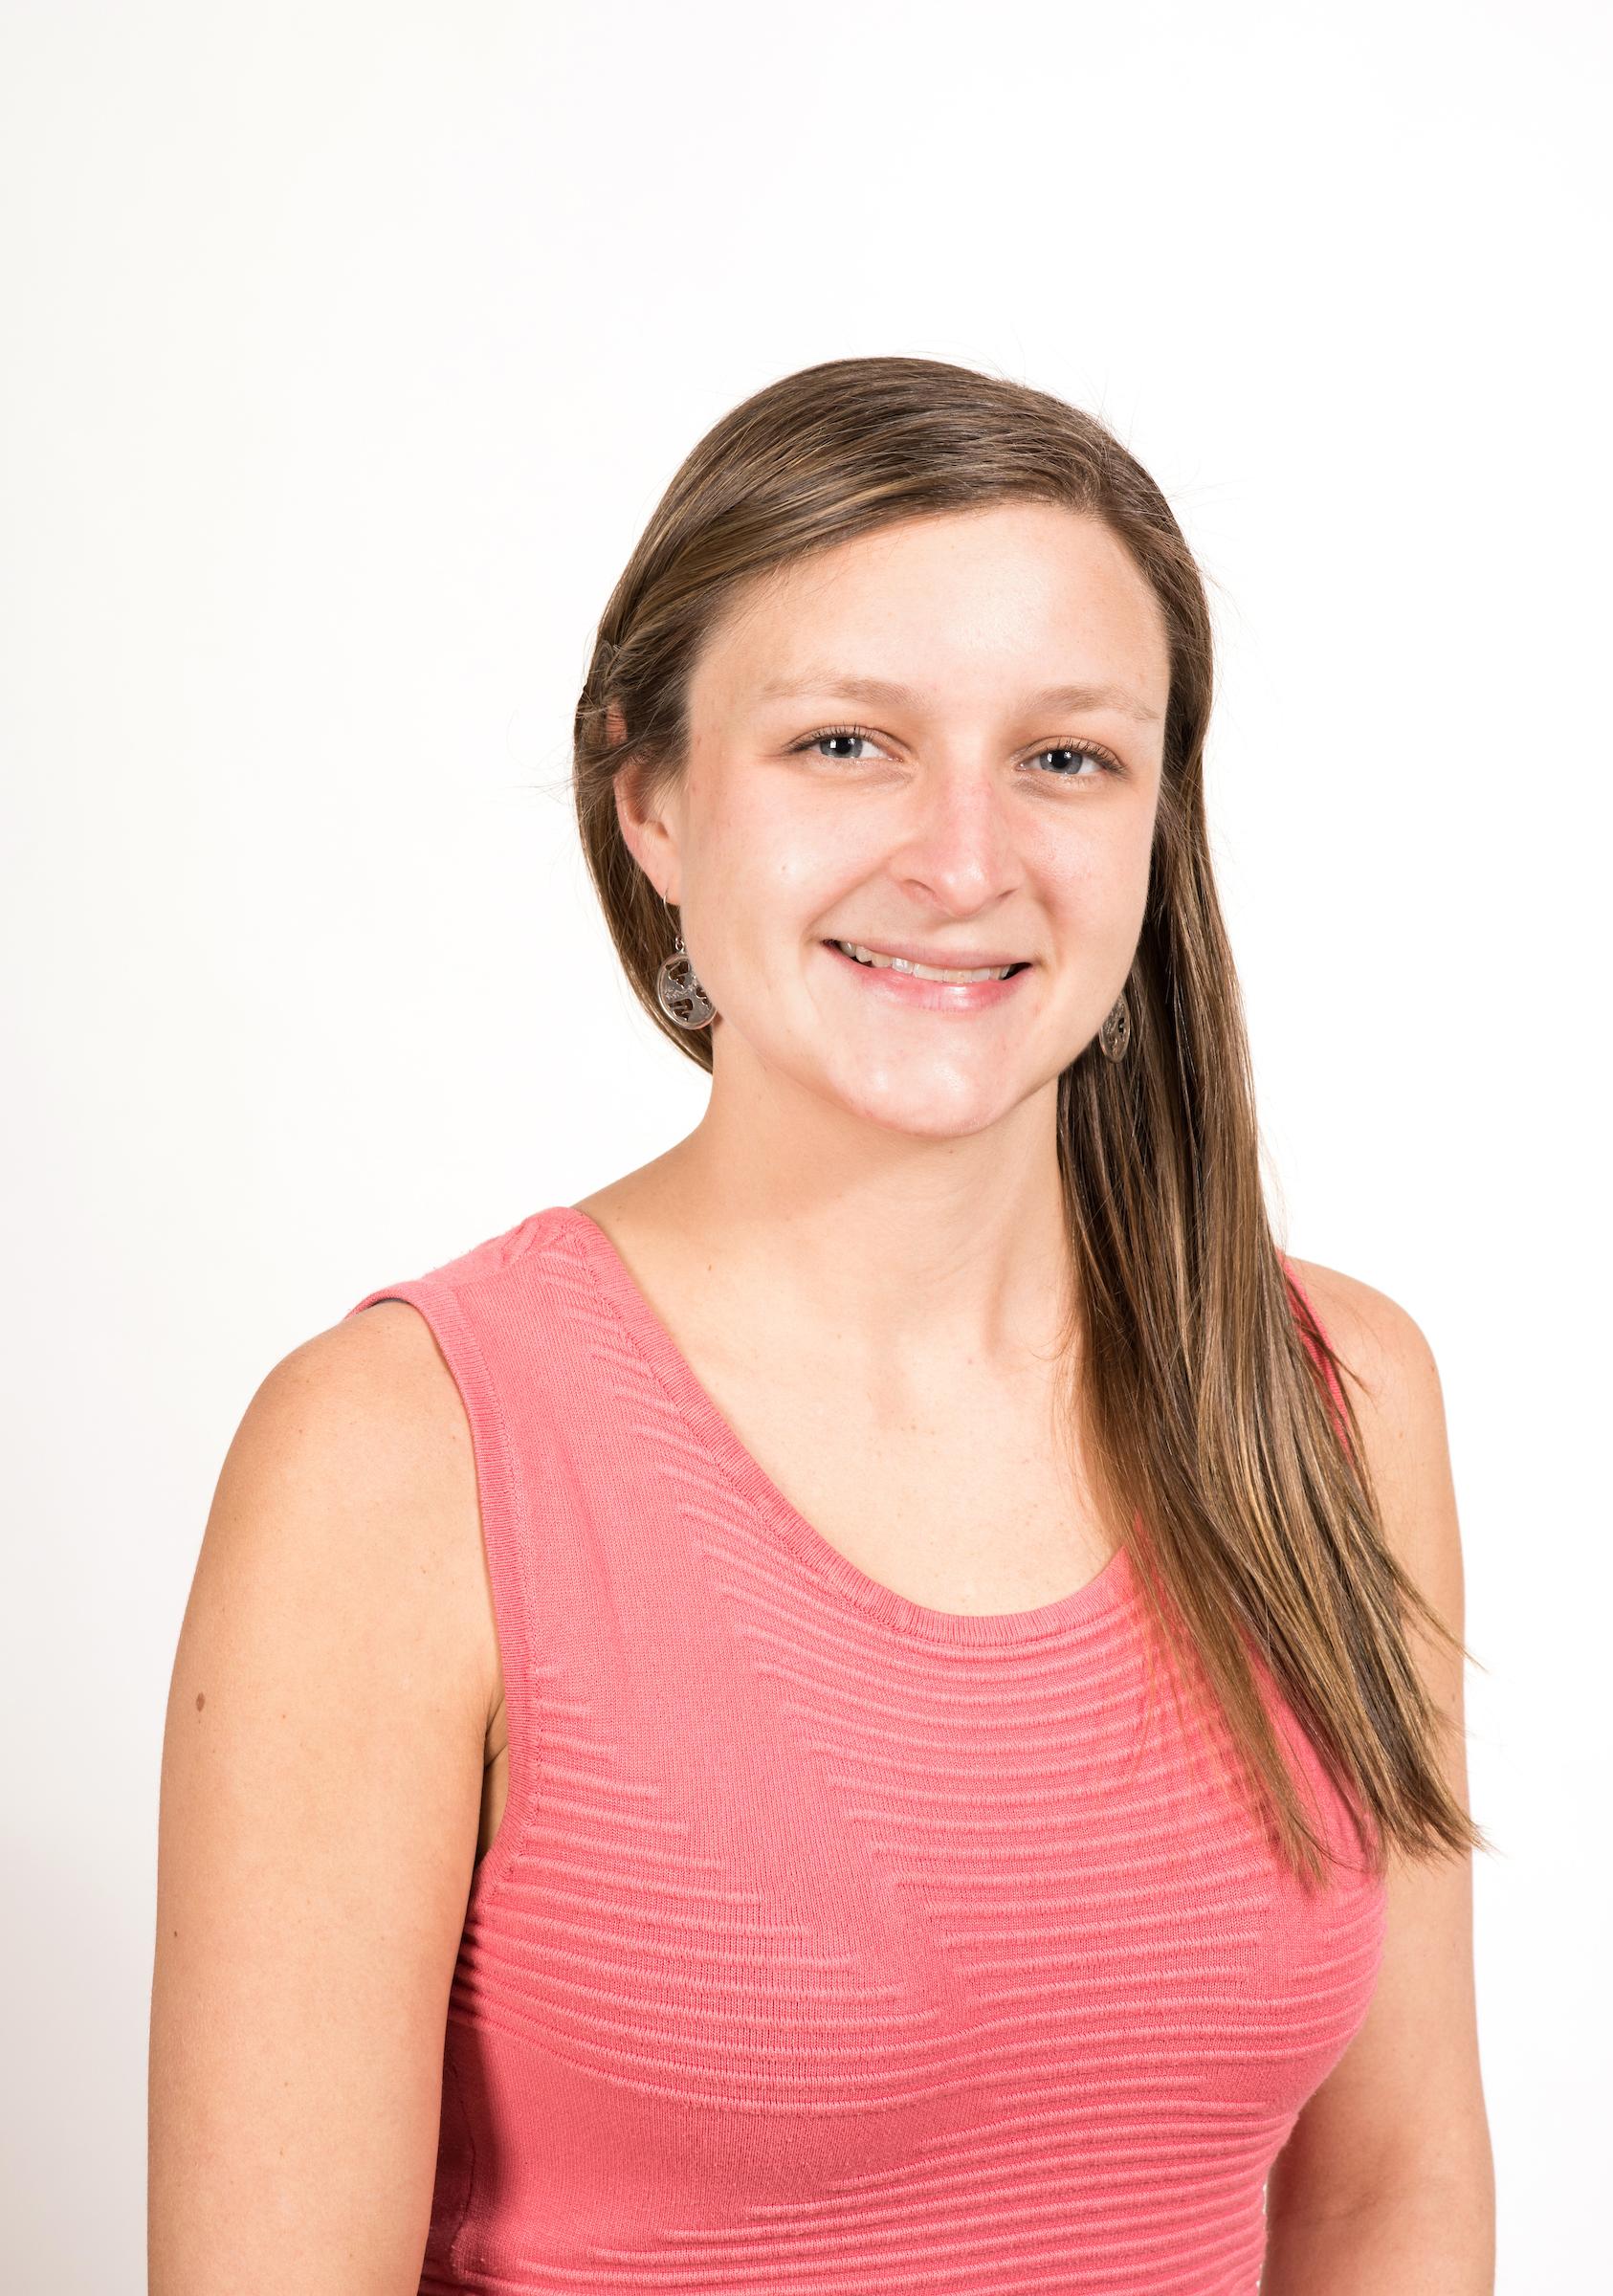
{"points": [[468, 1307]]}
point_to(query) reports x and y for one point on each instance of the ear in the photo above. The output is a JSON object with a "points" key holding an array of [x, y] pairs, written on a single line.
{"points": [[648, 834]]}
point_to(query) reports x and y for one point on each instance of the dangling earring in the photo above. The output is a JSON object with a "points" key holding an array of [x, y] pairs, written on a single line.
{"points": [[1115, 1034], [677, 988]]}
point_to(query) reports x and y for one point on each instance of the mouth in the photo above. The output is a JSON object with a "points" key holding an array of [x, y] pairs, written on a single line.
{"points": [[986, 968], [927, 987]]}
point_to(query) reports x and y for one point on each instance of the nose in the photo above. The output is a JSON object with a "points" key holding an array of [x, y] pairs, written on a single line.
{"points": [[955, 846]]}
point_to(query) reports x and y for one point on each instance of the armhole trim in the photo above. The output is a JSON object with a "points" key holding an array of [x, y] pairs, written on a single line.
{"points": [[506, 1524]]}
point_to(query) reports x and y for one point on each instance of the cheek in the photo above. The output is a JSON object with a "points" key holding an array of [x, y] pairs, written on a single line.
{"points": [[1095, 885], [773, 869]]}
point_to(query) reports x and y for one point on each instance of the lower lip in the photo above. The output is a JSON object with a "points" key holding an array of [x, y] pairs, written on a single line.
{"points": [[927, 996]]}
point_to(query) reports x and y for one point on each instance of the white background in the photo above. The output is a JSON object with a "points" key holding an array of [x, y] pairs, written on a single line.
{"points": [[348, 347]]}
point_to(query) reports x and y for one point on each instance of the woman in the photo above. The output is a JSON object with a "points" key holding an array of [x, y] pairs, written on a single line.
{"points": [[878, 1703]]}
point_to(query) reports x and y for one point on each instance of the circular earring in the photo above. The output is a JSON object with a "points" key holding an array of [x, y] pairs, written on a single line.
{"points": [[1115, 1034], [678, 986]]}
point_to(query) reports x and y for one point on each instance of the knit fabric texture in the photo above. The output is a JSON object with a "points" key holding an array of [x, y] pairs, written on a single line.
{"points": [[831, 1942]]}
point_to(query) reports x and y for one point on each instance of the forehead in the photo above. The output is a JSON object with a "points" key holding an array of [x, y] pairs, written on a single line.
{"points": [[1016, 593]]}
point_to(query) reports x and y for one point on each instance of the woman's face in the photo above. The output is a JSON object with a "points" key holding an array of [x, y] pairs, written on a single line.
{"points": [[943, 741]]}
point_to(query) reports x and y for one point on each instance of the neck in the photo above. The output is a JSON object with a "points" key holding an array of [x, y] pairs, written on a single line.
{"points": [[938, 1252]]}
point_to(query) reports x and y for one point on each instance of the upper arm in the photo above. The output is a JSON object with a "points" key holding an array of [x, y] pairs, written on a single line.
{"points": [[320, 1784], [1404, 2108]]}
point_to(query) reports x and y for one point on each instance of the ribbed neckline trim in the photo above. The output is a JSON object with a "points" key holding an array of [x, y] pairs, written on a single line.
{"points": [[1101, 1593]]}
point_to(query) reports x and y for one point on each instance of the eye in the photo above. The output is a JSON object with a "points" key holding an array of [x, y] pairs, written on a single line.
{"points": [[834, 732], [1104, 760], [1093, 752]]}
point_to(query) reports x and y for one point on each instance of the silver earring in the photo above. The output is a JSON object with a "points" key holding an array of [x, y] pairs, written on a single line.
{"points": [[1115, 1034], [678, 986]]}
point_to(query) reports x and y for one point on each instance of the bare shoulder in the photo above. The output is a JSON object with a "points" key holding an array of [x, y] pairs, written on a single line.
{"points": [[322, 1769], [1379, 1344], [353, 1465]]}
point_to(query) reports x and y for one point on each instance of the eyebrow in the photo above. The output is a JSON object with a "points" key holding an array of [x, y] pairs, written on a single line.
{"points": [[879, 690]]}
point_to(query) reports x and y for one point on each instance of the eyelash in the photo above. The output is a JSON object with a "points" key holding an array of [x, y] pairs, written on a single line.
{"points": [[1104, 758]]}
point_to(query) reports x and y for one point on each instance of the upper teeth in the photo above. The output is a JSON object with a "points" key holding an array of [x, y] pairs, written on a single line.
{"points": [[925, 971]]}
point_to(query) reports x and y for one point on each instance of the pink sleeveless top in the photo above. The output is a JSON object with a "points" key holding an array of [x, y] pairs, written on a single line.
{"points": [[831, 1942]]}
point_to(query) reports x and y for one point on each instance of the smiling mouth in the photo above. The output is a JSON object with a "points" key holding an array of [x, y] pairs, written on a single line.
{"points": [[875, 962]]}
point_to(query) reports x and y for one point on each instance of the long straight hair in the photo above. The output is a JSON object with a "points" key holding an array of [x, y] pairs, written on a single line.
{"points": [[1207, 1398]]}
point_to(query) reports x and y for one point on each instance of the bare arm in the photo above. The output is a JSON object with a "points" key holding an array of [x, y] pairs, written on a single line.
{"points": [[1386, 2184], [321, 1789]]}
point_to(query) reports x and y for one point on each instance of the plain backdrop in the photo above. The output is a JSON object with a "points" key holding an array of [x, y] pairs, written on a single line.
{"points": [[347, 349]]}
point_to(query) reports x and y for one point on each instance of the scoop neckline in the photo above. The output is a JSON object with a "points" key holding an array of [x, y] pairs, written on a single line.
{"points": [[620, 1286]]}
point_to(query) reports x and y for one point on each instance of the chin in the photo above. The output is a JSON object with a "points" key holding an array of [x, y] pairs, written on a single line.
{"points": [[925, 1117]]}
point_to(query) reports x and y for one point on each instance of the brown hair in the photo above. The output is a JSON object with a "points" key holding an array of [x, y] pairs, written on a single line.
{"points": [[1209, 1398]]}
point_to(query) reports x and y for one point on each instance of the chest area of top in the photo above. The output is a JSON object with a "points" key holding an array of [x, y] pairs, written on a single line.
{"points": [[807, 1876], [909, 1863]]}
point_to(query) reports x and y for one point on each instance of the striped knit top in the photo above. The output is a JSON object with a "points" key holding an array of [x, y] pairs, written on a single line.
{"points": [[831, 1942]]}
